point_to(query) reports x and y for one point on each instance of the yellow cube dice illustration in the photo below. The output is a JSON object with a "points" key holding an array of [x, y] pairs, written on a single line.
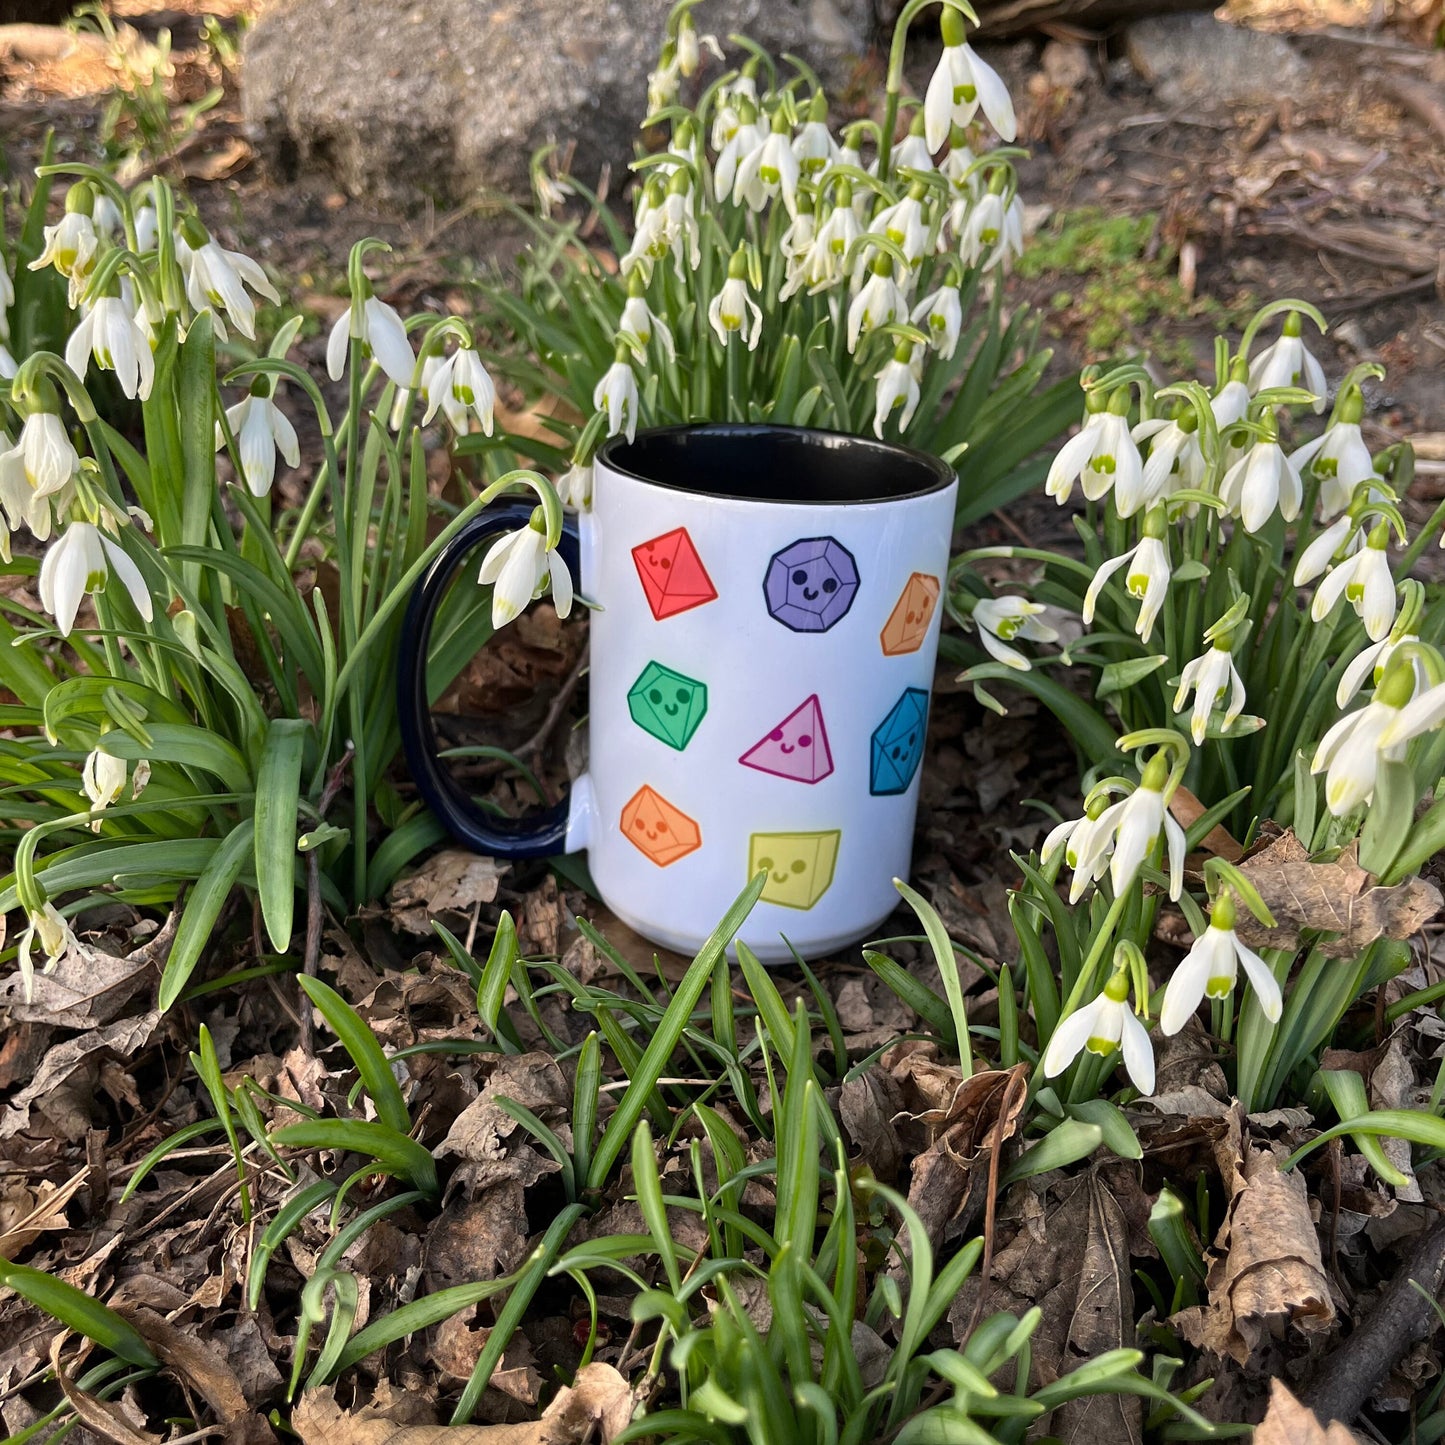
{"points": [[799, 865]]}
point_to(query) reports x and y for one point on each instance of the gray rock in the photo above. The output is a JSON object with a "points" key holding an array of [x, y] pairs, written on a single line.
{"points": [[1197, 61], [409, 100]]}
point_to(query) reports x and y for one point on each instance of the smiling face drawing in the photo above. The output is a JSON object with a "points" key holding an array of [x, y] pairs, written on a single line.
{"points": [[667, 704], [799, 865], [907, 625], [672, 575], [897, 744], [660, 830], [811, 584], [797, 748]]}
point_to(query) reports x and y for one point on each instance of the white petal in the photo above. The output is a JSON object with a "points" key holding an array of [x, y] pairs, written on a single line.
{"points": [[1185, 989], [1138, 1054], [1069, 1038], [338, 345], [1262, 980], [386, 335], [130, 576]]}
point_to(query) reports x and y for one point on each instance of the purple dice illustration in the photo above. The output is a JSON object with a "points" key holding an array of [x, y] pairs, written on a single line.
{"points": [[796, 748], [811, 584]]}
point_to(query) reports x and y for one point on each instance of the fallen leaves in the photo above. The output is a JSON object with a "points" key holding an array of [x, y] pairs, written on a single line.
{"points": [[1287, 1422], [1337, 897], [452, 881]]}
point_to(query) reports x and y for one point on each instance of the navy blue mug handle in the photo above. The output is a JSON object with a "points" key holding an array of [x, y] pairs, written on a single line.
{"points": [[538, 836]]}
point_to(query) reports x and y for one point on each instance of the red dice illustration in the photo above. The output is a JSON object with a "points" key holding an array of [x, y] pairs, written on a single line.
{"points": [[672, 574]]}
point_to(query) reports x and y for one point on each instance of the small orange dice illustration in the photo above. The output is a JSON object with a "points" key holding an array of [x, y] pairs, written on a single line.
{"points": [[907, 624], [663, 832]]}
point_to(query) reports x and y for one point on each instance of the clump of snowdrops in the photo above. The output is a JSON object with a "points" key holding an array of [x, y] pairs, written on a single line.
{"points": [[1250, 623], [781, 269]]}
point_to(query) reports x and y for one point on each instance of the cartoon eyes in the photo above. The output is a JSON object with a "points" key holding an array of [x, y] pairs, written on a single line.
{"points": [[798, 865], [804, 740], [655, 696], [659, 827], [903, 749], [800, 579]]}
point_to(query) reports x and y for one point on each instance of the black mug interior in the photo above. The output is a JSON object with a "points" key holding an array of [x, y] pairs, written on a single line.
{"points": [[759, 463]]}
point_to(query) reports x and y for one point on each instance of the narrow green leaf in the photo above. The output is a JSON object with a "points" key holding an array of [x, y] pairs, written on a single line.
{"points": [[366, 1053], [203, 907], [401, 1155], [80, 1312], [278, 787], [1063, 1145]]}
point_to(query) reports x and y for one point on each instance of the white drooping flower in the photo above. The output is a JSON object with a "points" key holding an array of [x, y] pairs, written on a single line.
{"points": [[905, 223], [961, 85], [1136, 827], [912, 153], [462, 388], [617, 392], [940, 313], [110, 333], [1175, 461], [574, 486], [147, 229], [80, 561], [1002, 619], [1087, 843], [745, 139], [733, 312], [103, 779], [1339, 460], [71, 243], [1101, 1026], [1261, 482], [56, 940], [1101, 455], [1288, 363], [641, 323], [261, 429], [993, 231], [520, 567], [1364, 581], [878, 301], [1146, 579], [1369, 666], [768, 170], [662, 82], [897, 386], [814, 146], [1232, 402], [1342, 538], [825, 263], [382, 334], [1351, 752], [736, 104], [1211, 969], [402, 399], [1211, 676], [216, 281], [41, 464]]}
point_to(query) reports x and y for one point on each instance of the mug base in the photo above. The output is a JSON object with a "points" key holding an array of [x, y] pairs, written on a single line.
{"points": [[773, 951]]}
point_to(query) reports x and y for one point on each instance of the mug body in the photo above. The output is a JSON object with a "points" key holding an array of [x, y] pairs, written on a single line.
{"points": [[769, 601]]}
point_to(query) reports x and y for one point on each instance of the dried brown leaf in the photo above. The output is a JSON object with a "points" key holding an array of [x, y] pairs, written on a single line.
{"points": [[24, 1217], [319, 1420], [452, 881], [1188, 810], [1287, 1422], [1338, 897], [203, 1367]]}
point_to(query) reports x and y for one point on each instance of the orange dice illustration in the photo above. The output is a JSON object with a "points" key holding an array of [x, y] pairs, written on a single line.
{"points": [[907, 624], [672, 574], [663, 832]]}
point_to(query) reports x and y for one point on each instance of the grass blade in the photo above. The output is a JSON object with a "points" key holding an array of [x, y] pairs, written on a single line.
{"points": [[278, 788], [359, 1041]]}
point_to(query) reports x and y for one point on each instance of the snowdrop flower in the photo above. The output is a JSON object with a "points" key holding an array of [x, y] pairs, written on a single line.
{"points": [[103, 778], [1288, 363], [802, 230], [1261, 482], [733, 101], [1001, 619], [768, 170], [1147, 577], [1341, 539], [462, 387], [814, 145], [1175, 461], [1364, 581], [617, 391], [1086, 842], [961, 85], [993, 231], [574, 486], [261, 429], [147, 229], [56, 940], [897, 387], [1338, 458], [43, 460], [80, 561], [519, 568], [1232, 403], [1106, 1024], [1351, 752], [662, 82], [958, 168], [745, 139], [733, 312], [1210, 676], [905, 223], [1101, 455], [912, 153], [110, 333], [1211, 969], [940, 313], [71, 243], [1370, 665], [1136, 828], [640, 323], [382, 334], [835, 238], [402, 399], [878, 301], [216, 281]]}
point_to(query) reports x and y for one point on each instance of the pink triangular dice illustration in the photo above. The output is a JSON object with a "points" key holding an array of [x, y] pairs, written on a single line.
{"points": [[797, 748]]}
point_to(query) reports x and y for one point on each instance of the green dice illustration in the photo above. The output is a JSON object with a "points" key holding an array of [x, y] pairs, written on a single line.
{"points": [[667, 704]]}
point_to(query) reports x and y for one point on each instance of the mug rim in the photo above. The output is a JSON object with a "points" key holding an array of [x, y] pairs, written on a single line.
{"points": [[944, 474]]}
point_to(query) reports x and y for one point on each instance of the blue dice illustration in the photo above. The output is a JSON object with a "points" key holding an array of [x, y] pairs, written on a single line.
{"points": [[898, 744], [811, 583]]}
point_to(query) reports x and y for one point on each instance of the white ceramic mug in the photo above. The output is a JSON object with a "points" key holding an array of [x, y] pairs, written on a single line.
{"points": [[761, 657]]}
